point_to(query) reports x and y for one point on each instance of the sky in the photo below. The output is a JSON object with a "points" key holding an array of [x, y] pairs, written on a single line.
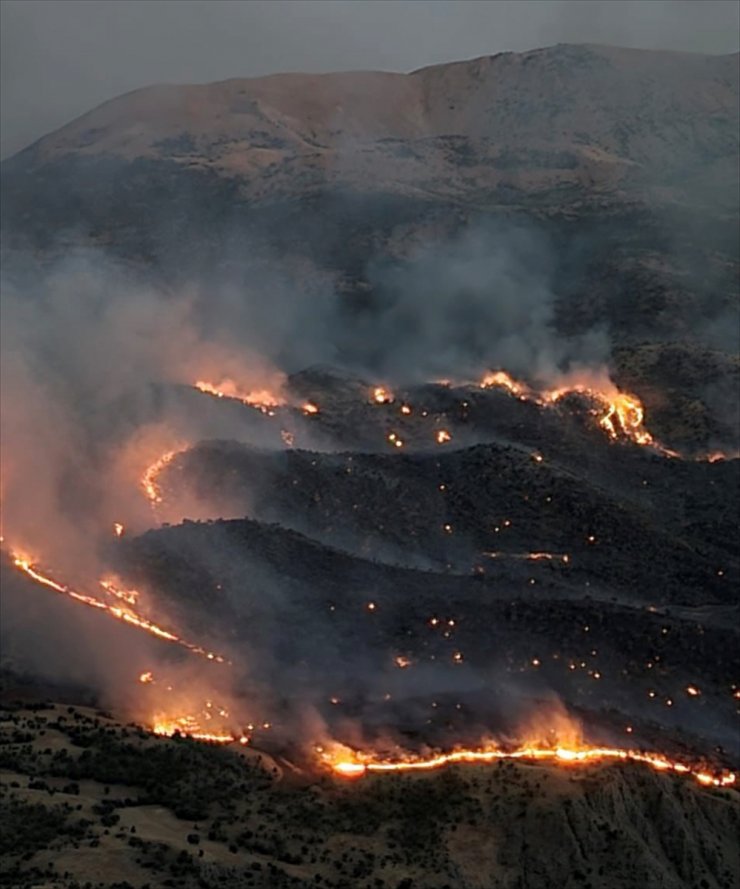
{"points": [[60, 58]]}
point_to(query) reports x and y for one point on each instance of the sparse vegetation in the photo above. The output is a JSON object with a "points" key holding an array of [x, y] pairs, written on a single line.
{"points": [[183, 814]]}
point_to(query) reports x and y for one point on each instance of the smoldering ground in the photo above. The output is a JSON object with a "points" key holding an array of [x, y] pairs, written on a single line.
{"points": [[92, 355]]}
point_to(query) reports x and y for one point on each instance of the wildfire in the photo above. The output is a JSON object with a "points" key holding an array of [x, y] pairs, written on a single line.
{"points": [[263, 400], [190, 726], [502, 380], [149, 480], [122, 612], [353, 764], [382, 395], [619, 414], [131, 597], [625, 415]]}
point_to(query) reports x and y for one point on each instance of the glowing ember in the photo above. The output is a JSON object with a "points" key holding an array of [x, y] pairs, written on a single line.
{"points": [[263, 400], [442, 436], [532, 557], [382, 395], [118, 529], [309, 408], [348, 763], [146, 678]]}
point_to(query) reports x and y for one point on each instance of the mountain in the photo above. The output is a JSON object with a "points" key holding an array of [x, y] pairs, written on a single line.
{"points": [[327, 445], [620, 165], [536, 126]]}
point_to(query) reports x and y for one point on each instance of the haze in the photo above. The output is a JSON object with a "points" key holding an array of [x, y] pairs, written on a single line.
{"points": [[61, 58]]}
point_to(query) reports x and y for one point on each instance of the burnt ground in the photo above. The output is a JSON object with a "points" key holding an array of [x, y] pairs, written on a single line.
{"points": [[354, 556]]}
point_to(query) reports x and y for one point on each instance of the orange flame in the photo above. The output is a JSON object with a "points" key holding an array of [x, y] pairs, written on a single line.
{"points": [[381, 395], [149, 480], [263, 400], [502, 380], [120, 612], [353, 764], [621, 415]]}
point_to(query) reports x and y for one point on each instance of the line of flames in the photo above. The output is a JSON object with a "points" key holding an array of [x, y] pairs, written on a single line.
{"points": [[122, 612], [352, 764], [263, 400]]}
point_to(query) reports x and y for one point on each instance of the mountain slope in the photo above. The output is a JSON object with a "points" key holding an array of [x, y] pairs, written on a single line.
{"points": [[618, 170], [158, 812]]}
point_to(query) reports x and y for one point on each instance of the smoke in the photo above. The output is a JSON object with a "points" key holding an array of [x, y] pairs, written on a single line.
{"points": [[482, 300], [96, 364], [82, 347]]}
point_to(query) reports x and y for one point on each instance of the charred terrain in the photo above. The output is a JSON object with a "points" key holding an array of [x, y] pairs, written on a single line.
{"points": [[371, 481]]}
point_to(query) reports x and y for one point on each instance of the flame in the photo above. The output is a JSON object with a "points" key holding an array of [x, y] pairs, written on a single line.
{"points": [[353, 764], [625, 415], [189, 725], [382, 395], [309, 408], [502, 380], [123, 612], [620, 414], [263, 399], [149, 480], [131, 597]]}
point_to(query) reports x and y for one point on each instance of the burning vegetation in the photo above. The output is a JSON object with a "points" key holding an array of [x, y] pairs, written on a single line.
{"points": [[619, 416]]}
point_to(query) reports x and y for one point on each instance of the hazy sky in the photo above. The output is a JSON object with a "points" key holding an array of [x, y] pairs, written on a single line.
{"points": [[59, 58]]}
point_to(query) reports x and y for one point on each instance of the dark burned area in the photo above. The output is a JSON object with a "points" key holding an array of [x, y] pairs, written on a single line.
{"points": [[349, 560]]}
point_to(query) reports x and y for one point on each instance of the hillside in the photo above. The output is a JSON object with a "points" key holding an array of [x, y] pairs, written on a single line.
{"points": [[611, 175], [382, 427], [88, 802]]}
